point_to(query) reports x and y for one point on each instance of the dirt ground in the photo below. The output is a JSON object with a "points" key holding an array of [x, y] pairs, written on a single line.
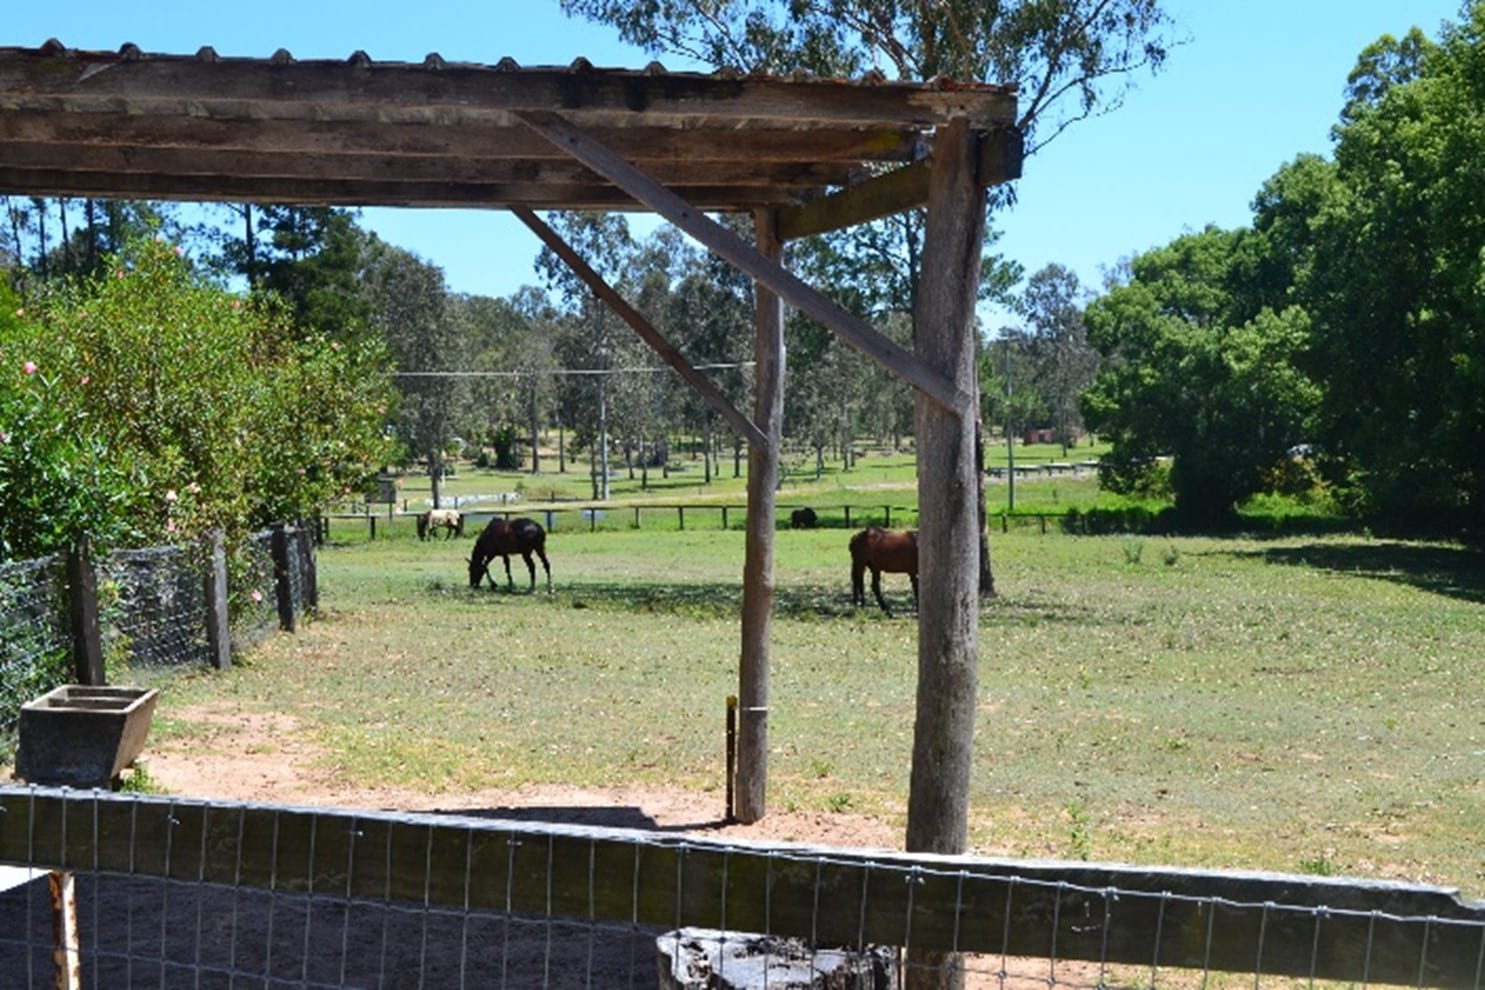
{"points": [[151, 933], [266, 758]]}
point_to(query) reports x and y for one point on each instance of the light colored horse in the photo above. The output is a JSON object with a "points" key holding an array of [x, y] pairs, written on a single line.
{"points": [[450, 519]]}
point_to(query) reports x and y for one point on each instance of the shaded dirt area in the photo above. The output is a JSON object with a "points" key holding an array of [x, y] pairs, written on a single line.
{"points": [[266, 758]]}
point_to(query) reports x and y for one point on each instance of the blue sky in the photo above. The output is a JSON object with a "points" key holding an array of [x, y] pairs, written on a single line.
{"points": [[1258, 82]]}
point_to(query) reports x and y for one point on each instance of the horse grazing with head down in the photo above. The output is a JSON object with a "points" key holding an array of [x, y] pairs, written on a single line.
{"points": [[450, 519], [891, 550], [502, 538]]}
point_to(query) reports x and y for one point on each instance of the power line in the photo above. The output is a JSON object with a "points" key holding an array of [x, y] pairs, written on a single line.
{"points": [[562, 371]]}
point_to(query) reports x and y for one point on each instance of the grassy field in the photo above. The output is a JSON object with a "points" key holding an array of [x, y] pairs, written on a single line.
{"points": [[1304, 705]]}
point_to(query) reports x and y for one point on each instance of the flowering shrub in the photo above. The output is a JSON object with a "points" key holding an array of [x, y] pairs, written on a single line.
{"points": [[149, 405]]}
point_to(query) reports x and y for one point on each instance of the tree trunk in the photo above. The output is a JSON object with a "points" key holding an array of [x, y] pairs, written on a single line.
{"points": [[948, 616], [758, 587]]}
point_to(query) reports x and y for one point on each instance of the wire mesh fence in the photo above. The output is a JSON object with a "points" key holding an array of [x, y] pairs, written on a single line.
{"points": [[153, 607], [185, 893], [33, 634]]}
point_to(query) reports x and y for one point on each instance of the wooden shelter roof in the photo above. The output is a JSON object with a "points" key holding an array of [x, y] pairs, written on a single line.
{"points": [[359, 132]]}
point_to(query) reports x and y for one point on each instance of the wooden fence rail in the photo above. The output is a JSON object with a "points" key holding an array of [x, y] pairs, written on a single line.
{"points": [[1211, 921]]}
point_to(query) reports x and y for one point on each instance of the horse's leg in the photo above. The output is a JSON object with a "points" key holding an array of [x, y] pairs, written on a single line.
{"points": [[876, 588], [544, 566], [510, 583], [858, 583], [530, 566], [913, 576]]}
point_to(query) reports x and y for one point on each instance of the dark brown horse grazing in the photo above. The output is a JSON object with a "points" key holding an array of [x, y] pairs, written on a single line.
{"points": [[891, 550], [502, 538]]}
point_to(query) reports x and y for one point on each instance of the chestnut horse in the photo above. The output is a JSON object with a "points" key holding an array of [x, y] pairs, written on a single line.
{"points": [[452, 519], [891, 550], [502, 538]]}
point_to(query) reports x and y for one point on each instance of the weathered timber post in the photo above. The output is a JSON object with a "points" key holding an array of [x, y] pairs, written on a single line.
{"points": [[763, 476], [948, 511], [82, 601], [218, 634], [282, 576], [309, 575]]}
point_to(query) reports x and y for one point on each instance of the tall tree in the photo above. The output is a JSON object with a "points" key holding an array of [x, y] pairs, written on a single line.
{"points": [[604, 242], [1190, 375], [1394, 279], [1056, 345], [409, 310]]}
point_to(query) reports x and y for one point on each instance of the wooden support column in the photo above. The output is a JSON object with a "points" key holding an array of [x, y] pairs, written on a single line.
{"points": [[948, 511], [758, 589]]}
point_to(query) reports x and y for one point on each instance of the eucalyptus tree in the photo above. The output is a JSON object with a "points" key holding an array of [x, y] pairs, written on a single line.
{"points": [[594, 335], [1055, 341], [410, 311]]}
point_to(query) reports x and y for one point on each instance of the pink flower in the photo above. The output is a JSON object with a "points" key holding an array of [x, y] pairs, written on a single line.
{"points": [[170, 526], [170, 496], [257, 596], [29, 367]]}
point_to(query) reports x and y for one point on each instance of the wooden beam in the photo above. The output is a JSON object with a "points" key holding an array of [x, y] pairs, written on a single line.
{"points": [[1306, 927], [452, 137], [851, 328], [1001, 151], [341, 89], [360, 192], [948, 510], [346, 165], [758, 588], [884, 195], [656, 341]]}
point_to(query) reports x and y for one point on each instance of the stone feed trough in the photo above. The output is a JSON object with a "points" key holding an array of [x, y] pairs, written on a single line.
{"points": [[81, 736]]}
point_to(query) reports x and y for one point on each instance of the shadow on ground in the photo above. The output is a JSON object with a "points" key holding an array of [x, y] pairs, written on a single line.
{"points": [[1455, 572]]}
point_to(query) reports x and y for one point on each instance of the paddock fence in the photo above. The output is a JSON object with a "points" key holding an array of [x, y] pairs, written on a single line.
{"points": [[153, 891], [71, 617]]}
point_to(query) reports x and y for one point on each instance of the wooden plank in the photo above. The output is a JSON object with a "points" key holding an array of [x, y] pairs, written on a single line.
{"points": [[452, 137], [1273, 924], [641, 326], [230, 188], [851, 328], [374, 166], [351, 89], [901, 189]]}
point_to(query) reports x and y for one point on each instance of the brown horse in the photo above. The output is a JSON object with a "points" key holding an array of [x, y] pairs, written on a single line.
{"points": [[891, 550], [502, 538]]}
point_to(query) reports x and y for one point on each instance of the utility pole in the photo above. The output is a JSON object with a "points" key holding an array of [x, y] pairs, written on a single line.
{"points": [[1010, 442]]}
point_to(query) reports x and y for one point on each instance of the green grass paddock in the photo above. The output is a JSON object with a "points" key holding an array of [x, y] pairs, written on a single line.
{"points": [[1299, 704]]}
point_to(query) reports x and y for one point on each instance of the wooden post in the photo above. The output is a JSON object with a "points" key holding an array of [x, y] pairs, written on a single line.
{"points": [[82, 598], [724, 517], [680, 515], [948, 545], [758, 589], [283, 582], [66, 946], [218, 635], [309, 577]]}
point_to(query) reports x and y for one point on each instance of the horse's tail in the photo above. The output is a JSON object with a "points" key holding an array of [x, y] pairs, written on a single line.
{"points": [[423, 526]]}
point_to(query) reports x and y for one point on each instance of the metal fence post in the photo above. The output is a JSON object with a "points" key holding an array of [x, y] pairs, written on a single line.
{"points": [[82, 600]]}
